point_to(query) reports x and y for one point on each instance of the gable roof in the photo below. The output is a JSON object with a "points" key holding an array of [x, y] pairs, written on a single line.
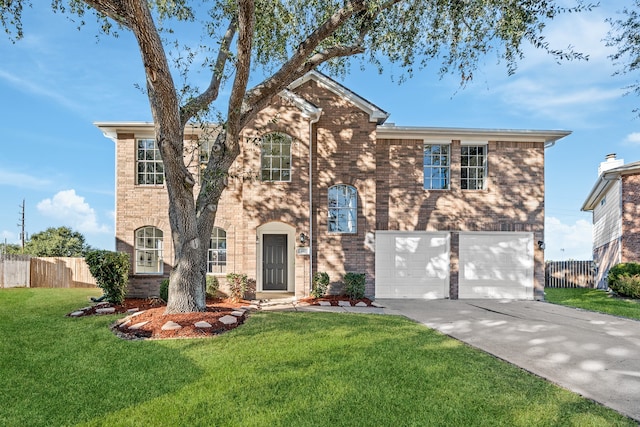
{"points": [[376, 114], [604, 183]]}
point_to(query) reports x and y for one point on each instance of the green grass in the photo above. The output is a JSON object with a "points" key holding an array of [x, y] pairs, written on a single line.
{"points": [[594, 300], [278, 369]]}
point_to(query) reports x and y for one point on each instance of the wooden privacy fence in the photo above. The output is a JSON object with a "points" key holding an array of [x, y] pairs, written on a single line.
{"points": [[569, 274], [14, 270], [45, 272]]}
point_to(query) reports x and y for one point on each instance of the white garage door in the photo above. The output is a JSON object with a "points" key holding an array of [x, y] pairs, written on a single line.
{"points": [[412, 264], [496, 265]]}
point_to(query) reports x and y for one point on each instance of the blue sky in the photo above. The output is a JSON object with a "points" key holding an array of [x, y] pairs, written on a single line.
{"points": [[57, 81]]}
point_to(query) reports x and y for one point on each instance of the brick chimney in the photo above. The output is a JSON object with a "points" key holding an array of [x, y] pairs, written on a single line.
{"points": [[609, 163]]}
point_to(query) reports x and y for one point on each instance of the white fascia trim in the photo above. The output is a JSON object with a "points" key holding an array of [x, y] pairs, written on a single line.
{"points": [[308, 110], [468, 134], [604, 183], [140, 129], [376, 114]]}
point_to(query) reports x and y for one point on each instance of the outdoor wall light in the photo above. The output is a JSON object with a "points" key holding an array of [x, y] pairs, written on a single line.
{"points": [[303, 238], [541, 244]]}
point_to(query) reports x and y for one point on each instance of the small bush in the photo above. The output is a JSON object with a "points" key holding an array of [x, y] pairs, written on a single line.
{"points": [[628, 286], [237, 285], [212, 286], [354, 284], [320, 284], [164, 290], [111, 271], [624, 279]]}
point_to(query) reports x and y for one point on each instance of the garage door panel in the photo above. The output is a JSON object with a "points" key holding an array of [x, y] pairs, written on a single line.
{"points": [[412, 264], [496, 265]]}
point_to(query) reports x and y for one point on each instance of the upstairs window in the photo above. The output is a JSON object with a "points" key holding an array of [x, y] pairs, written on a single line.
{"points": [[473, 167], [276, 157], [217, 254], [436, 166], [148, 250], [343, 209], [150, 170]]}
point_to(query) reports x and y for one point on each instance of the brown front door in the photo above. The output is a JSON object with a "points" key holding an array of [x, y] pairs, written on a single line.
{"points": [[274, 262]]}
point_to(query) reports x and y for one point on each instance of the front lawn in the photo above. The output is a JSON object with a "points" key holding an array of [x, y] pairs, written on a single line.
{"points": [[278, 369], [594, 300]]}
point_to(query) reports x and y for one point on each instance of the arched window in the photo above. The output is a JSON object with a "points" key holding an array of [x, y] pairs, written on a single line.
{"points": [[276, 157], [217, 255], [148, 250], [343, 209]]}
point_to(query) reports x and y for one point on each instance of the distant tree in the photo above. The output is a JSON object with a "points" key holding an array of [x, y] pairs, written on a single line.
{"points": [[61, 241], [10, 248], [625, 37], [283, 40]]}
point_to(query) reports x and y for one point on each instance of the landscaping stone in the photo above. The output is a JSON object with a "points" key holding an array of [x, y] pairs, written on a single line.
{"points": [[106, 310], [344, 303], [324, 303], [228, 320], [77, 314], [132, 310], [137, 313], [237, 313], [202, 324], [361, 304], [171, 326], [138, 325], [375, 304]]}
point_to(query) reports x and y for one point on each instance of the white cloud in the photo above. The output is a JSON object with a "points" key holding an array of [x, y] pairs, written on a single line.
{"points": [[21, 180], [633, 139], [8, 236], [568, 241], [73, 210]]}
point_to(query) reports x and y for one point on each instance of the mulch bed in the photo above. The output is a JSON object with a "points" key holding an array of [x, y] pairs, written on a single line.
{"points": [[152, 310]]}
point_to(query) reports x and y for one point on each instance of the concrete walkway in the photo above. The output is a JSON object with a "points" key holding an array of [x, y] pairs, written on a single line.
{"points": [[595, 355]]}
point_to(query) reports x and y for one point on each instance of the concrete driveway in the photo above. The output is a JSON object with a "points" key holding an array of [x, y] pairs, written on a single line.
{"points": [[595, 355]]}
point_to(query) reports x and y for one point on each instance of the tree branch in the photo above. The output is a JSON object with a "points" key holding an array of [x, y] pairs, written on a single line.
{"points": [[288, 72], [211, 93], [113, 9]]}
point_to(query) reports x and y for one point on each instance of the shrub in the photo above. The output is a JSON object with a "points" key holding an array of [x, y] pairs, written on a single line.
{"points": [[164, 290], [111, 271], [624, 279], [320, 284], [354, 284], [212, 286], [237, 285]]}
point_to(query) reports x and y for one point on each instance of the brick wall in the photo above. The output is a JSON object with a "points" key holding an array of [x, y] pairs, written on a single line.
{"points": [[631, 218], [513, 199]]}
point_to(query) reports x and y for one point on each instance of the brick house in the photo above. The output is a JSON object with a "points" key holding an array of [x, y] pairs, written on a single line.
{"points": [[614, 201], [424, 212]]}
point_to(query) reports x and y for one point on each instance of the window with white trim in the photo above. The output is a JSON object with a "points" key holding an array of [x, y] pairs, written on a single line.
{"points": [[217, 254], [343, 209], [149, 166], [437, 166], [473, 167], [148, 251], [276, 157]]}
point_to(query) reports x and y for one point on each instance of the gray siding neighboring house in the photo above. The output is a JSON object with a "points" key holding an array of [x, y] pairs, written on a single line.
{"points": [[614, 216]]}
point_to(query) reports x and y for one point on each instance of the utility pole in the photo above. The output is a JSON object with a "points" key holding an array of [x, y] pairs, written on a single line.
{"points": [[21, 225]]}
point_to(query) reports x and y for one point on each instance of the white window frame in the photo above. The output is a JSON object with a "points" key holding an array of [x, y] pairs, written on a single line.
{"points": [[148, 250], [432, 167], [214, 264], [275, 163], [480, 171], [342, 210], [149, 159]]}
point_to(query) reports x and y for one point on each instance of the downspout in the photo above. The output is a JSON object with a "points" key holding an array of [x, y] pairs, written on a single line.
{"points": [[312, 121]]}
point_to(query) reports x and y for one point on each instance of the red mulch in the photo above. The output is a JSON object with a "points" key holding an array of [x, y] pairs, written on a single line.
{"points": [[153, 312]]}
